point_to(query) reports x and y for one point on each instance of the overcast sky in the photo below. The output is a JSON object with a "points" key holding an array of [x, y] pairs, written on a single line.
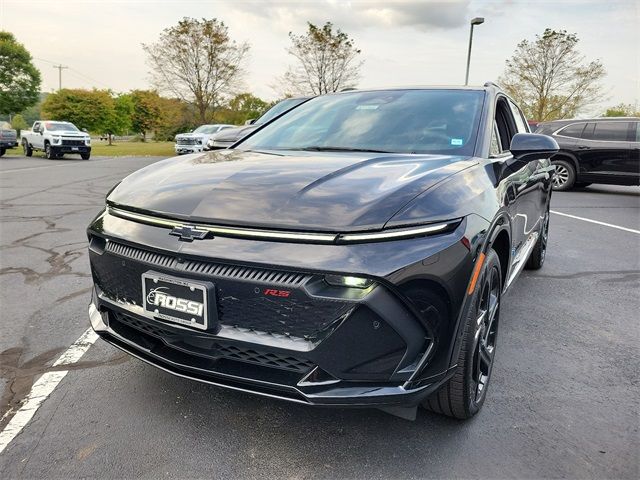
{"points": [[403, 42]]}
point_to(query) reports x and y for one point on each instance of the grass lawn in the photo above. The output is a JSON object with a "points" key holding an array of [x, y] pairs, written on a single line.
{"points": [[132, 149]]}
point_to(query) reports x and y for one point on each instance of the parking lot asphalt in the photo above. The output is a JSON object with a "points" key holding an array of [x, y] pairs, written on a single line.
{"points": [[564, 399]]}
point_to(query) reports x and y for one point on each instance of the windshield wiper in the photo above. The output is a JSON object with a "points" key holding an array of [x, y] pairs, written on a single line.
{"points": [[318, 148]]}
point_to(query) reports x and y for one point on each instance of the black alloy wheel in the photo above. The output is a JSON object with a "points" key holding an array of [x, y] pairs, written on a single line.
{"points": [[486, 333], [463, 395]]}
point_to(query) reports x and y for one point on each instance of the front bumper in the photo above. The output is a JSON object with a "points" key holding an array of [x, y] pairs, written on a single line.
{"points": [[8, 144], [70, 148], [303, 386], [322, 345], [181, 149]]}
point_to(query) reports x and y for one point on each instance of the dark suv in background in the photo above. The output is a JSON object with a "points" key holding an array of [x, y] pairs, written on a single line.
{"points": [[600, 150]]}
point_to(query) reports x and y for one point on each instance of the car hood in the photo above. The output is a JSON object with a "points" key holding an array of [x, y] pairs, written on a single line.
{"points": [[190, 135], [337, 192], [234, 134], [69, 133]]}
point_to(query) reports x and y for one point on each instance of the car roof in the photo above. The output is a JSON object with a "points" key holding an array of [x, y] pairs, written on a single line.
{"points": [[488, 86], [564, 121]]}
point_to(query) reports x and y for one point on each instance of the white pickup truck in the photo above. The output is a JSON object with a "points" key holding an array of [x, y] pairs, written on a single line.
{"points": [[55, 139]]}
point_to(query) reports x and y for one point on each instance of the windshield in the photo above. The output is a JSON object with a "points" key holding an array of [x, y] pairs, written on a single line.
{"points": [[277, 109], [60, 127], [394, 121], [206, 129]]}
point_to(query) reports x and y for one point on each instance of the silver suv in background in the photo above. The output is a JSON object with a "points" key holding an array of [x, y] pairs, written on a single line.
{"points": [[196, 141]]}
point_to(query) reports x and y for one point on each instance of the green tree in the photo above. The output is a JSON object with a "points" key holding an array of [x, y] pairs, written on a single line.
{"points": [[241, 108], [176, 116], [146, 111], [120, 119], [18, 123], [622, 110], [550, 78], [197, 61], [88, 109], [19, 78], [327, 61]]}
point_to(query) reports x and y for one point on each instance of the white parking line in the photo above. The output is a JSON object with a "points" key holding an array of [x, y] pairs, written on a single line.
{"points": [[597, 222], [43, 387]]}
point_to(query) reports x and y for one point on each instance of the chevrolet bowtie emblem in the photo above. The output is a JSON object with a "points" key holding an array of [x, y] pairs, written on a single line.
{"points": [[189, 233]]}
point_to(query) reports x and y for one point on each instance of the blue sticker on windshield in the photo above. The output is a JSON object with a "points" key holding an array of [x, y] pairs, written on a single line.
{"points": [[456, 141]]}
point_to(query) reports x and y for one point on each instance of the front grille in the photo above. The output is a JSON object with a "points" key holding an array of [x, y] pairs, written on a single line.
{"points": [[214, 349], [290, 279], [142, 255], [72, 143], [189, 141], [239, 289]]}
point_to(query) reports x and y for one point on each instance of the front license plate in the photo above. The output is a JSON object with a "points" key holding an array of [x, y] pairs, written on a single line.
{"points": [[176, 300], [75, 149]]}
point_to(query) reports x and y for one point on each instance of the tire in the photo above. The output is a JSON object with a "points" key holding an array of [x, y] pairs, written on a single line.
{"points": [[85, 156], [49, 152], [2, 151], [28, 151], [539, 252], [565, 176], [463, 395]]}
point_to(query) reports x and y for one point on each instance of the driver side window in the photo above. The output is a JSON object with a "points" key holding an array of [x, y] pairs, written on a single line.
{"points": [[504, 128]]}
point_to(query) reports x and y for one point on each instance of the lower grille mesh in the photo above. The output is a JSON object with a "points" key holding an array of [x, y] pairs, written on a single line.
{"points": [[216, 349]]}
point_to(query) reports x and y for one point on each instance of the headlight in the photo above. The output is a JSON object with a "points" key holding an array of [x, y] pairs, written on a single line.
{"points": [[354, 282], [199, 141], [56, 139], [87, 141]]}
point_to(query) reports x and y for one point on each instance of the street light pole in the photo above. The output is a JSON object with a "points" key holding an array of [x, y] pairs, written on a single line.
{"points": [[475, 21]]}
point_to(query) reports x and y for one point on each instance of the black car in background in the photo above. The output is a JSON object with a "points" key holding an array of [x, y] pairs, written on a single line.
{"points": [[352, 252], [230, 136], [598, 150]]}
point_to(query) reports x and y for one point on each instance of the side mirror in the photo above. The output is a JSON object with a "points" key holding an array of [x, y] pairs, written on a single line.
{"points": [[85, 130], [532, 145], [251, 121]]}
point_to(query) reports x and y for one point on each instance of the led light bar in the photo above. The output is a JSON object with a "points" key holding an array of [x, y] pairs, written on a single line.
{"points": [[394, 234], [227, 231], [326, 238]]}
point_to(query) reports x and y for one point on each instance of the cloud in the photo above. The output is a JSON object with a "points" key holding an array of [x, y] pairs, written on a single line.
{"points": [[360, 14]]}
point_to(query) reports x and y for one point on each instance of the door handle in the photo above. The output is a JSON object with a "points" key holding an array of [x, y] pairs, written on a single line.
{"points": [[583, 147]]}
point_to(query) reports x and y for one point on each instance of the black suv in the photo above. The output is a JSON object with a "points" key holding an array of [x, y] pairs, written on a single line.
{"points": [[600, 150]]}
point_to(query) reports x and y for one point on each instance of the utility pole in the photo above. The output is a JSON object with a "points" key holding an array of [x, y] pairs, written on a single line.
{"points": [[60, 68]]}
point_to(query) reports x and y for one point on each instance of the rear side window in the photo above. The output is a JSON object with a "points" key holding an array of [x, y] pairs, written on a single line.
{"points": [[574, 131], [609, 131], [519, 118]]}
